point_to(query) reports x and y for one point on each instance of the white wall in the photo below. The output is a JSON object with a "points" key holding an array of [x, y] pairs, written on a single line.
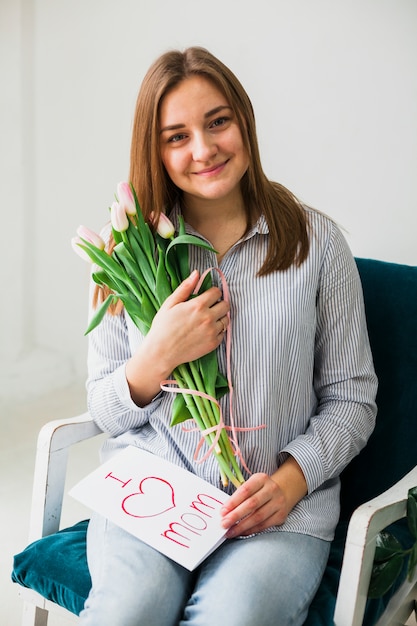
{"points": [[334, 85]]}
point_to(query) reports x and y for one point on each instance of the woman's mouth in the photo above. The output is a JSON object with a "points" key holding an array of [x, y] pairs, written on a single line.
{"points": [[213, 170]]}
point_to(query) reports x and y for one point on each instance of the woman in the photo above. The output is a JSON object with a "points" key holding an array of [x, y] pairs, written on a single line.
{"points": [[301, 365]]}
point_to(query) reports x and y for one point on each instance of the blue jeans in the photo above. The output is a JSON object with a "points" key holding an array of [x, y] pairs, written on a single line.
{"points": [[267, 579]]}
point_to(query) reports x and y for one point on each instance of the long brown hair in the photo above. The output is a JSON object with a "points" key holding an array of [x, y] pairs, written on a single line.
{"points": [[286, 218]]}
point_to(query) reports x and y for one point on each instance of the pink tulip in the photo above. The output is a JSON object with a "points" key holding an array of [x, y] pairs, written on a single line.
{"points": [[126, 199], [75, 243], [165, 227], [91, 237], [118, 217]]}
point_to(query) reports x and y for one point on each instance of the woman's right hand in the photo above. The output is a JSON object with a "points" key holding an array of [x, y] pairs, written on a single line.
{"points": [[183, 330]]}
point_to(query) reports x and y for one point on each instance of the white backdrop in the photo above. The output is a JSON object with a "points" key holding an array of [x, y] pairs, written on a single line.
{"points": [[334, 86]]}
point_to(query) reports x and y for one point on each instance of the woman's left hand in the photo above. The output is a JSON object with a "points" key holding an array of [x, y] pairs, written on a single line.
{"points": [[264, 501], [255, 505]]}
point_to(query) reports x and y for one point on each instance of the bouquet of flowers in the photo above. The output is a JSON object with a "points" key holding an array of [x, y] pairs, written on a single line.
{"points": [[142, 270]]}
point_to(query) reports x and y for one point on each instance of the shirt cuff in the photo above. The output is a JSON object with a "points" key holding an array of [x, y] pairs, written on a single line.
{"points": [[309, 461], [122, 390]]}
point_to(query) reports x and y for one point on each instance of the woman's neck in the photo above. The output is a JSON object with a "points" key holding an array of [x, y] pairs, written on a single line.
{"points": [[201, 212], [221, 224]]}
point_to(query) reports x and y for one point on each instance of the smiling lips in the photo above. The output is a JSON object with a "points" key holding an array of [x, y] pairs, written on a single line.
{"points": [[215, 169]]}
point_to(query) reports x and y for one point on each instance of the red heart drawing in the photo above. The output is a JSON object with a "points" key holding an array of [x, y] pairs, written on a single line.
{"points": [[152, 503]]}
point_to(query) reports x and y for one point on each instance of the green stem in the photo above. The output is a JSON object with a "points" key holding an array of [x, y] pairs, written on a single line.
{"points": [[197, 400], [195, 413], [213, 413], [208, 404], [223, 451]]}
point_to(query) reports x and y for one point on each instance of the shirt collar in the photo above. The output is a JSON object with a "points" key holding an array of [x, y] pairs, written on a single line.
{"points": [[260, 227]]}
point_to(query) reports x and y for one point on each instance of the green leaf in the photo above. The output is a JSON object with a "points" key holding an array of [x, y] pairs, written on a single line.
{"points": [[384, 575], [181, 225], [208, 367], [222, 386], [143, 231], [100, 313], [143, 236], [183, 252], [101, 278], [190, 240], [390, 555], [386, 546], [161, 241], [412, 511], [148, 310], [141, 324], [138, 285], [206, 284], [180, 412], [412, 562], [172, 269], [116, 236], [126, 260], [179, 260], [162, 283], [134, 308], [135, 261], [104, 260], [215, 383]]}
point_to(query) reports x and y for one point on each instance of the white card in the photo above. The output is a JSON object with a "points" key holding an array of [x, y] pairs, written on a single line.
{"points": [[165, 506]]}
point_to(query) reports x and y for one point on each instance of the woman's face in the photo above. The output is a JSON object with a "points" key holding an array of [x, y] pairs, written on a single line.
{"points": [[201, 143]]}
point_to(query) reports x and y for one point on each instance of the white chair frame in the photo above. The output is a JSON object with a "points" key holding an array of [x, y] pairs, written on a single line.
{"points": [[56, 438]]}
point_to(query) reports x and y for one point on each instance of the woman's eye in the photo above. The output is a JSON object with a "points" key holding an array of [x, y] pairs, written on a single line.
{"points": [[220, 121], [176, 138]]}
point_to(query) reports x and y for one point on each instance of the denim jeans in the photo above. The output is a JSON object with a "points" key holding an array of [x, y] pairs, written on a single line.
{"points": [[267, 579]]}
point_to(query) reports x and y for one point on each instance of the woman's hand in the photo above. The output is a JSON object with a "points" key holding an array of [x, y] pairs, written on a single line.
{"points": [[264, 501], [183, 330], [188, 328]]}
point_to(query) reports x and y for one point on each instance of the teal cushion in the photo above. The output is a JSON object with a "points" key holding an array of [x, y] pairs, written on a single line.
{"points": [[56, 567]]}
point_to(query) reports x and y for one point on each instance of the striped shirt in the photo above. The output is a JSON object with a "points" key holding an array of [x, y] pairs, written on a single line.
{"points": [[300, 364]]}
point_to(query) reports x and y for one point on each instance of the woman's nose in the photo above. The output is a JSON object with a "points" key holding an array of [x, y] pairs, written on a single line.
{"points": [[204, 147]]}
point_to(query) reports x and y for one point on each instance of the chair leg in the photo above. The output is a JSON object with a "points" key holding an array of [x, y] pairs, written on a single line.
{"points": [[34, 616]]}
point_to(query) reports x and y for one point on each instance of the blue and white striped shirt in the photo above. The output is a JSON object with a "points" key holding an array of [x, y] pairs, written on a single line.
{"points": [[301, 365]]}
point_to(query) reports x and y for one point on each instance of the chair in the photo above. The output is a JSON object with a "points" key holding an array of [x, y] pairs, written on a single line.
{"points": [[52, 571]]}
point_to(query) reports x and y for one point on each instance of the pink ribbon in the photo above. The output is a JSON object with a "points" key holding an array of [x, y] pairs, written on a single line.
{"points": [[218, 427]]}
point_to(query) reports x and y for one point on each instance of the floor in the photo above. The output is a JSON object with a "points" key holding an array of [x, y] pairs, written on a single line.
{"points": [[20, 424]]}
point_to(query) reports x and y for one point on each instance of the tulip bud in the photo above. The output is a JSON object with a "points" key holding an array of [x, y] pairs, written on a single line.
{"points": [[75, 243], [126, 199], [118, 217], [91, 237], [165, 228]]}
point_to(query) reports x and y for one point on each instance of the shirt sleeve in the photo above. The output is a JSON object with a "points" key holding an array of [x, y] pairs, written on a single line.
{"points": [[344, 378], [108, 394]]}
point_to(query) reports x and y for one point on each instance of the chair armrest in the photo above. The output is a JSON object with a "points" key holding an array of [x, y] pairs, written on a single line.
{"points": [[365, 524], [54, 440]]}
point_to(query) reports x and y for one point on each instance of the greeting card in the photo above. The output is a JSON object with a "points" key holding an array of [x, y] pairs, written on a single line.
{"points": [[167, 507]]}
